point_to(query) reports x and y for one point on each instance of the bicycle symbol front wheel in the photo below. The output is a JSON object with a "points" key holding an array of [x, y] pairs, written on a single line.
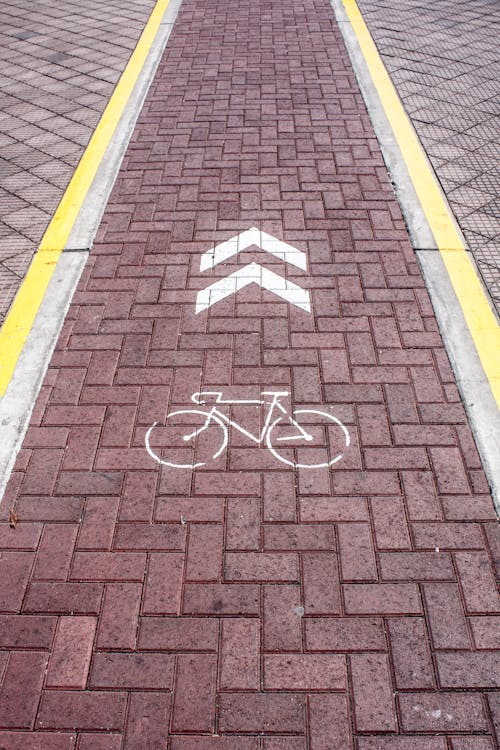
{"points": [[326, 440], [187, 431]]}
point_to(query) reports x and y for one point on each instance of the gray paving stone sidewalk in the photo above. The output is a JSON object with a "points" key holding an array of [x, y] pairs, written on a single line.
{"points": [[59, 64], [444, 61]]}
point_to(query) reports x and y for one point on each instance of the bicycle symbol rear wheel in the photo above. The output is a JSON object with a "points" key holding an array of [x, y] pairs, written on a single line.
{"points": [[324, 429], [185, 429]]}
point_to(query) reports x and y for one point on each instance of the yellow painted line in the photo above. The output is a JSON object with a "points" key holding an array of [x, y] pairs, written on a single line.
{"points": [[18, 323], [478, 314]]}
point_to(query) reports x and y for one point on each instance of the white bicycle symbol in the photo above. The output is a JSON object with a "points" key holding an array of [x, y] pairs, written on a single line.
{"points": [[308, 427]]}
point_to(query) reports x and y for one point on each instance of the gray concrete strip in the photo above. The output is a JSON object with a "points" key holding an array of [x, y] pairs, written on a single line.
{"points": [[17, 404], [473, 385]]}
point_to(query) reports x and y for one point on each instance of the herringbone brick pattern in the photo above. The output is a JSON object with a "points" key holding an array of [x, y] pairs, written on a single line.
{"points": [[247, 604]]}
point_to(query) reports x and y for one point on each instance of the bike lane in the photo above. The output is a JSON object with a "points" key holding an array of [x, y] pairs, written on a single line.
{"points": [[262, 599]]}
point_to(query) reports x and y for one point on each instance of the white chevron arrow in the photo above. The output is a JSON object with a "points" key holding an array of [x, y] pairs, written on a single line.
{"points": [[246, 239], [253, 273]]}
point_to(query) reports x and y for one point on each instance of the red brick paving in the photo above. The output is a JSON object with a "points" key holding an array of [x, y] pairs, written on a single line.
{"points": [[247, 604]]}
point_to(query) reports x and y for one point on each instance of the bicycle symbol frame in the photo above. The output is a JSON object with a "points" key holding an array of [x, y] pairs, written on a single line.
{"points": [[213, 416]]}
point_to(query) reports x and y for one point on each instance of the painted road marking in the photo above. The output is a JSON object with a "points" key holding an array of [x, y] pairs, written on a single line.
{"points": [[246, 239], [305, 424], [478, 314], [253, 273], [20, 318]]}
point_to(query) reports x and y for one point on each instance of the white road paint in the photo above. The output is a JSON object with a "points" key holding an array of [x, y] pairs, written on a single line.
{"points": [[260, 239], [253, 273], [213, 416]]}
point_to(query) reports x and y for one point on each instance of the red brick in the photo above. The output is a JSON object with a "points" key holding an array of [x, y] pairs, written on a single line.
{"points": [[190, 509], [227, 483], [282, 618], [448, 626], [118, 426], [381, 598], [333, 509], [411, 656], [402, 743], [68, 709], [163, 584], [396, 458], [194, 707], [260, 566], [469, 670], [24, 537], [74, 415], [305, 672], [279, 496], [449, 535], [344, 634], [243, 712], [153, 405], [442, 712], [329, 722], [485, 630], [321, 583], [15, 568], [91, 741], [217, 743], [212, 598], [461, 508], [89, 483], [179, 634], [81, 448], [204, 555], [421, 497], [102, 367], [240, 654], [38, 741], [360, 348], [141, 536], [477, 582], [374, 709], [49, 509], [55, 552], [243, 524], [23, 631], [389, 520], [97, 527], [42, 471], [365, 482], [108, 566], [357, 558], [298, 537], [132, 671], [70, 658], [373, 425], [317, 481], [119, 616], [138, 496], [494, 707], [64, 598], [21, 687], [335, 366], [147, 721], [449, 470], [401, 403], [472, 743], [416, 566]]}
